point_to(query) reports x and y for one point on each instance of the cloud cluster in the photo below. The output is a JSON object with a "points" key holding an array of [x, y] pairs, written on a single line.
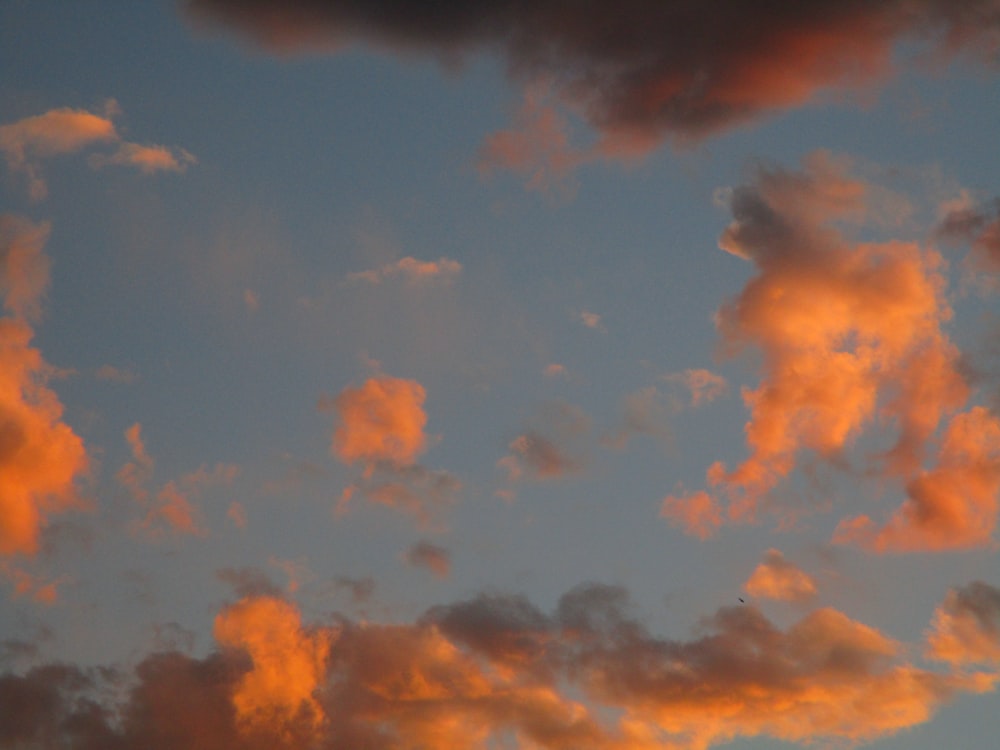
{"points": [[41, 457], [492, 669], [638, 71], [852, 335], [27, 142]]}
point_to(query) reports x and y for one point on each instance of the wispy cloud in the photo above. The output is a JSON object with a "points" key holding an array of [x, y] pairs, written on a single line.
{"points": [[412, 271]]}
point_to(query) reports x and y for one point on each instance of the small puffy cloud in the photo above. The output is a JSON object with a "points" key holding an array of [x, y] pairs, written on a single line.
{"points": [[704, 385], [776, 578], [965, 629], [554, 370], [237, 513], [412, 271], [551, 447], [591, 320], [381, 421], [59, 131], [147, 159], [26, 143], [430, 557]]}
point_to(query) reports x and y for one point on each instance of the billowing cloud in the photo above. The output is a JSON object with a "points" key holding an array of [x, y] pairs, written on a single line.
{"points": [[41, 457], [430, 557], [27, 142], [287, 665], [849, 332], [965, 629], [488, 670], [382, 421], [412, 271], [639, 72], [776, 578]]}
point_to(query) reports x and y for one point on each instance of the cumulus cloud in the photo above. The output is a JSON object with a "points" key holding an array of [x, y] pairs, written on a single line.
{"points": [[638, 72], [965, 629], [852, 336], [430, 557], [381, 428], [27, 142], [41, 457], [489, 670], [412, 271], [380, 422], [776, 578]]}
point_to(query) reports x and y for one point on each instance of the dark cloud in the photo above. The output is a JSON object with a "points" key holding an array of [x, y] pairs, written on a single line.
{"points": [[639, 70], [979, 226], [430, 557]]}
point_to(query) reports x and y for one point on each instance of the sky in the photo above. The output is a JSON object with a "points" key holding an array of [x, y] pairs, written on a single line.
{"points": [[543, 376]]}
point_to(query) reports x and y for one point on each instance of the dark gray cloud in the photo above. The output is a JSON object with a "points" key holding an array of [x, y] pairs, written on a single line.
{"points": [[639, 70]]}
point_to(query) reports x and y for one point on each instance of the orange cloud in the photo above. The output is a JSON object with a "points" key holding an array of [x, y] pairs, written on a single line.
{"points": [[965, 629], [698, 513], [64, 131], [58, 131], [494, 669], [381, 422], [430, 557], [147, 159], [25, 583], [953, 505], [171, 505], [850, 332], [776, 578], [288, 664], [413, 271], [637, 73], [40, 456]]}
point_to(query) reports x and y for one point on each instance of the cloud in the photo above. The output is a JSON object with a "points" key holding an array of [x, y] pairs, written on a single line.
{"points": [[645, 412], [25, 583], [26, 143], [491, 669], [776, 578], [171, 506], [113, 374], [698, 513], [41, 457], [381, 426], [637, 72], [412, 271], [965, 629], [591, 320], [953, 505], [551, 447], [978, 225], [849, 331], [705, 386], [430, 557], [287, 661], [147, 159], [380, 422]]}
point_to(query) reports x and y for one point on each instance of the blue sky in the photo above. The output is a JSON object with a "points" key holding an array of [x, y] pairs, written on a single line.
{"points": [[380, 335]]}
